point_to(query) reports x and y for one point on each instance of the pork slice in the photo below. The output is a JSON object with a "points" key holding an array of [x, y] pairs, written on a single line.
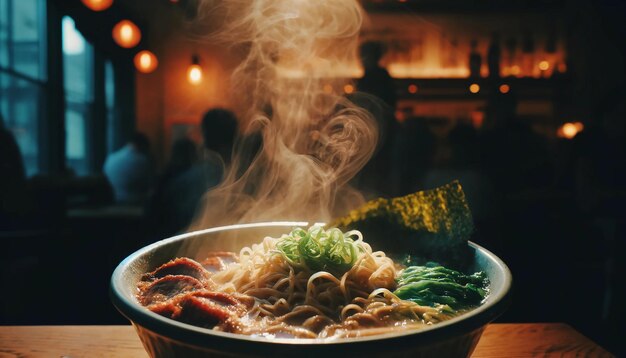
{"points": [[179, 266], [170, 308], [167, 287], [203, 312]]}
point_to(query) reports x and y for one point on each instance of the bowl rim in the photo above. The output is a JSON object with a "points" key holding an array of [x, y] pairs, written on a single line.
{"points": [[139, 315]]}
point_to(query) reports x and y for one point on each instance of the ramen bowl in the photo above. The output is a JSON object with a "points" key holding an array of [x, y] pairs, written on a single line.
{"points": [[164, 337]]}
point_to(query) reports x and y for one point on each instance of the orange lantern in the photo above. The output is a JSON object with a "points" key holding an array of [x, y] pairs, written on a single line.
{"points": [[126, 34], [98, 5], [146, 61], [194, 72]]}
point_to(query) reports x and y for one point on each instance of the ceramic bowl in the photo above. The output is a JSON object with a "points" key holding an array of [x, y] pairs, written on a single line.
{"points": [[163, 337]]}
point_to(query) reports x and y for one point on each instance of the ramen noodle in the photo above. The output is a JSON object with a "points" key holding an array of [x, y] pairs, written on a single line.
{"points": [[313, 283]]}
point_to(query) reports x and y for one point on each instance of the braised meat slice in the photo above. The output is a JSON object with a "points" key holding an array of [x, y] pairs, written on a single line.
{"points": [[202, 312], [206, 309], [167, 287], [180, 266]]}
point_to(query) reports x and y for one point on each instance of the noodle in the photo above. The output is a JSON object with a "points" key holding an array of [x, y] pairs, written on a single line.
{"points": [[341, 289], [353, 298]]}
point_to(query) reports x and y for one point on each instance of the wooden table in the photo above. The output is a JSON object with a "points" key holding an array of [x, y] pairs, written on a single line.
{"points": [[499, 340]]}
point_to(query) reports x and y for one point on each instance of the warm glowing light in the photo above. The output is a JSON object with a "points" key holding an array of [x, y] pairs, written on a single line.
{"points": [[328, 88], [474, 88], [477, 117], [504, 88], [412, 88], [579, 126], [348, 89], [429, 70], [569, 130], [98, 5], [146, 61], [516, 70], [126, 34], [544, 65], [400, 116], [194, 74]]}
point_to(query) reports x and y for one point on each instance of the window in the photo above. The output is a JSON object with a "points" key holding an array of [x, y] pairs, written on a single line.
{"points": [[23, 74], [28, 105], [78, 83], [109, 92]]}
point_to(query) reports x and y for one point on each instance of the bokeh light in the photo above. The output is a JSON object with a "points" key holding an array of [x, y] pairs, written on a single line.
{"points": [[126, 34], [146, 61], [98, 5]]}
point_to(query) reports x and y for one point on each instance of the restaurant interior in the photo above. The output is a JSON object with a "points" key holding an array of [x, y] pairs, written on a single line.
{"points": [[522, 101]]}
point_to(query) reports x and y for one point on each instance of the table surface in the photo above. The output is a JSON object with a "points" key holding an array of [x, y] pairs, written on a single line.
{"points": [[498, 340]]}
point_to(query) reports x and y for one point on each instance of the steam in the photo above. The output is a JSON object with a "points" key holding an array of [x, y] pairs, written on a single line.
{"points": [[313, 140]]}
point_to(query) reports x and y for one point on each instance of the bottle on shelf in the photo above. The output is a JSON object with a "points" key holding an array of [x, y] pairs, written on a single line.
{"points": [[475, 60], [528, 54], [494, 54]]}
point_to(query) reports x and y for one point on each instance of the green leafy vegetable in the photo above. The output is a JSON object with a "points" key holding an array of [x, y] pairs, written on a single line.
{"points": [[437, 285], [320, 250]]}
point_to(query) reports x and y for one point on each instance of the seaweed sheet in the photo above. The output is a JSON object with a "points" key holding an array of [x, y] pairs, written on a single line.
{"points": [[430, 225]]}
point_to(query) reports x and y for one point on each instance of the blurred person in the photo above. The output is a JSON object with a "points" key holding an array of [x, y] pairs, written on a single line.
{"points": [[219, 128], [13, 186], [516, 161], [463, 165], [600, 152], [511, 153], [162, 209], [416, 145], [600, 157], [130, 171], [377, 94], [376, 80]]}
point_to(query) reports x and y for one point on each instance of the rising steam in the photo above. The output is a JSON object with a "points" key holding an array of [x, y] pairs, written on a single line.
{"points": [[313, 139]]}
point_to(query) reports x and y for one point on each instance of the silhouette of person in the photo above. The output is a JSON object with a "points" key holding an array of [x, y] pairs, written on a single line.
{"points": [[130, 170], [475, 60], [377, 94], [376, 80], [512, 154], [494, 54], [161, 209], [13, 186], [185, 190]]}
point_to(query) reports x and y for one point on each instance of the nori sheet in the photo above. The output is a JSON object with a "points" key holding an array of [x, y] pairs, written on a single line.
{"points": [[426, 226]]}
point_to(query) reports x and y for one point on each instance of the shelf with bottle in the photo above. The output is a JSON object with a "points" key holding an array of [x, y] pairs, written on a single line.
{"points": [[464, 6], [481, 88]]}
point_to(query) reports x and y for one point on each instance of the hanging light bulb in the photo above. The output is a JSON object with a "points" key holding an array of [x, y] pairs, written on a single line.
{"points": [[146, 61], [194, 72], [98, 5], [126, 34]]}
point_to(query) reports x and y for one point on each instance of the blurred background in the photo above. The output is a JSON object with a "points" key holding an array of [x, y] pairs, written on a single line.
{"points": [[108, 108]]}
